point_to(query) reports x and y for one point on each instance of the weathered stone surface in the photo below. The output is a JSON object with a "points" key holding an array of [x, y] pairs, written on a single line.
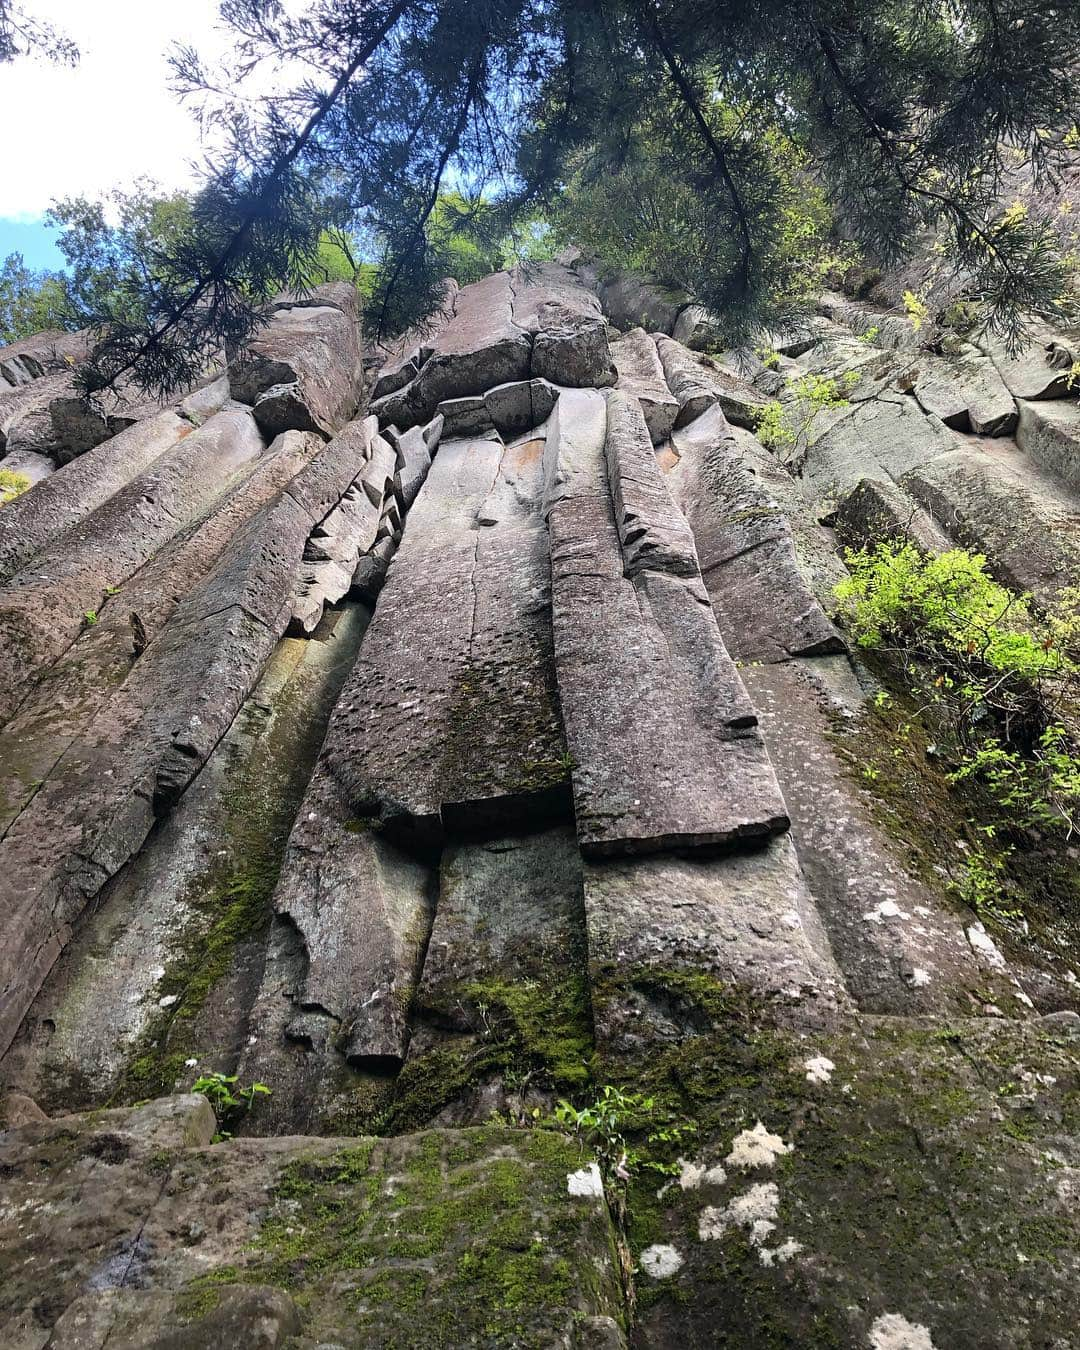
{"points": [[874, 512], [517, 407], [1028, 373], [631, 302], [122, 1005], [302, 371], [571, 349], [536, 286], [685, 378], [74, 689], [1050, 433], [967, 393], [695, 327], [143, 749], [43, 353], [890, 331], [453, 699], [883, 438], [652, 533], [765, 608], [1032, 540], [480, 348], [509, 920], [642, 377], [32, 466], [31, 521], [900, 947], [43, 609], [400, 1237], [352, 918], [657, 721]]}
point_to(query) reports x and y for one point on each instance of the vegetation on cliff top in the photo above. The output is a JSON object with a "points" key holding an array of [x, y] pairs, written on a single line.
{"points": [[711, 120]]}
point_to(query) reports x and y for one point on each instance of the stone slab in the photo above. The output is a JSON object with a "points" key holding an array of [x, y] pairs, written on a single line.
{"points": [[642, 376]]}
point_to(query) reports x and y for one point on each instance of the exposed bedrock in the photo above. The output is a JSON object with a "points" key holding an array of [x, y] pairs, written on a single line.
{"points": [[44, 607], [303, 370], [450, 718], [658, 725], [33, 519], [137, 756], [537, 321], [496, 749], [165, 968], [118, 1228], [764, 606], [642, 377]]}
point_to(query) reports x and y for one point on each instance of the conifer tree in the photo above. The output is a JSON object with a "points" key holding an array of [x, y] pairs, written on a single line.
{"points": [[905, 113]]}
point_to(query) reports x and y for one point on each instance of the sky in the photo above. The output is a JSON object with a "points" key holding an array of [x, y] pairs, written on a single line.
{"points": [[103, 124]]}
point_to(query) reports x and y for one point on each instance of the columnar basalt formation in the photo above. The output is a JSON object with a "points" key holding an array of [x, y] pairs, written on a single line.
{"points": [[432, 733]]}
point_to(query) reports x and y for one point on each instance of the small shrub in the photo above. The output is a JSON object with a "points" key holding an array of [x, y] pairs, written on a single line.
{"points": [[229, 1101]]}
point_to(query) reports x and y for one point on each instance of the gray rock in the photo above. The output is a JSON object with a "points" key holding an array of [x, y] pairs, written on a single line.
{"points": [[481, 347], [985, 507], [966, 393], [1050, 433], [631, 302], [679, 764], [302, 371], [571, 348], [1028, 373], [450, 714], [765, 608], [520, 406], [144, 748], [695, 327], [43, 610], [536, 286], [652, 533], [353, 914], [642, 377], [33, 519], [876, 512], [685, 378]]}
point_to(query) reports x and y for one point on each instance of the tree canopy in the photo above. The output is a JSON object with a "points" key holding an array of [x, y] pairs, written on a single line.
{"points": [[717, 136]]}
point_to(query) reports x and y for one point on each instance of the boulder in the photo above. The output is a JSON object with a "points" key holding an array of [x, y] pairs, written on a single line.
{"points": [[302, 371], [1050, 433]]}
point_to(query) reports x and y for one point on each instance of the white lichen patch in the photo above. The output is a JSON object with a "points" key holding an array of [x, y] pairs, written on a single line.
{"points": [[756, 1148], [791, 920], [919, 978], [755, 1211], [586, 1181], [771, 1256], [984, 946], [660, 1261], [818, 1069], [168, 1000], [887, 909], [895, 1332], [694, 1175]]}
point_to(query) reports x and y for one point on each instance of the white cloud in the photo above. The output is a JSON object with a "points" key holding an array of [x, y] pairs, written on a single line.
{"points": [[111, 119]]}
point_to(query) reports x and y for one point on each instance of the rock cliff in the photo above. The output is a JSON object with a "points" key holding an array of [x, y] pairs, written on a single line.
{"points": [[434, 734]]}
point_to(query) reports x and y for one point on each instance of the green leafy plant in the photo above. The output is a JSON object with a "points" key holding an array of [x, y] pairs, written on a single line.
{"points": [[916, 310], [995, 672], [603, 1126], [229, 1101], [784, 428], [982, 886], [90, 618]]}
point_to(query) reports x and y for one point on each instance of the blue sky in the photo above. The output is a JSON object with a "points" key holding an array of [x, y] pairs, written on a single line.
{"points": [[34, 241]]}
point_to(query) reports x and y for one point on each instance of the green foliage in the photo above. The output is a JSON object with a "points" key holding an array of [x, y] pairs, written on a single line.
{"points": [[784, 428], [647, 212], [604, 1123], [90, 618], [229, 1101], [30, 302], [992, 669], [12, 485]]}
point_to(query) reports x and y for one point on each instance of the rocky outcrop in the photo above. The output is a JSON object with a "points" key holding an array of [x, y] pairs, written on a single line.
{"points": [[429, 756]]}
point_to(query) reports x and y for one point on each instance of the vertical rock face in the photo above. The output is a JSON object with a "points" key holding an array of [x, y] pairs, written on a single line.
{"points": [[421, 757]]}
